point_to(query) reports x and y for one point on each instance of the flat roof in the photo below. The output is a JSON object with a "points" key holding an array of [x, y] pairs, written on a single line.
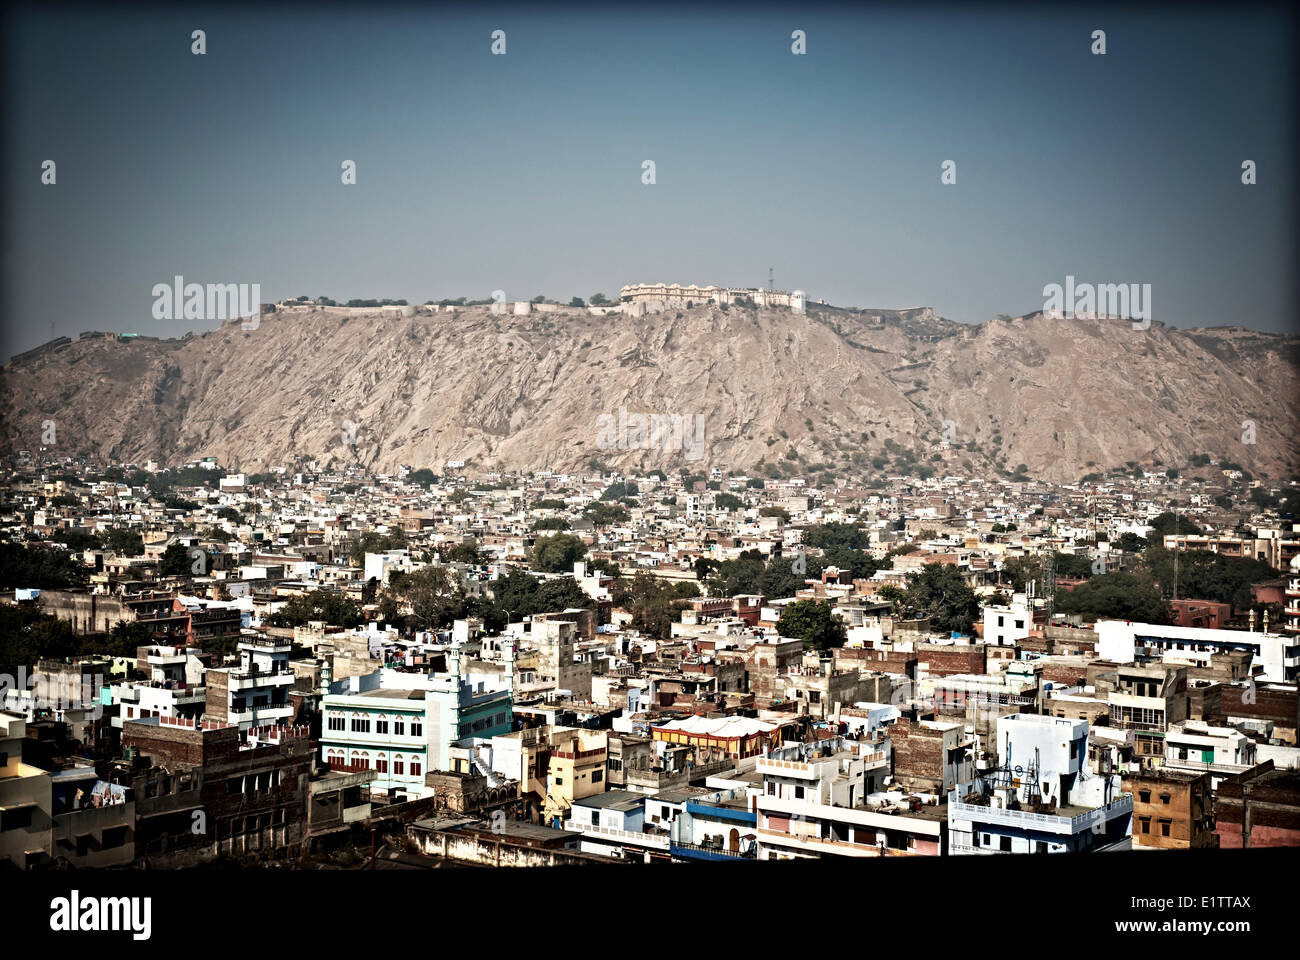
{"points": [[612, 800]]}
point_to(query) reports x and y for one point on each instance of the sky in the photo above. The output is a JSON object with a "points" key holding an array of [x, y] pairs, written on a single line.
{"points": [[523, 172]]}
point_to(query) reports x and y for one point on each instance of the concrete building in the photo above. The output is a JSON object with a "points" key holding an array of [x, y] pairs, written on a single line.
{"points": [[255, 693], [718, 737], [1007, 625], [1172, 809], [26, 816], [822, 800], [215, 789], [1121, 641], [403, 724], [1147, 699], [1042, 798], [931, 756], [576, 771], [1259, 808], [1201, 748]]}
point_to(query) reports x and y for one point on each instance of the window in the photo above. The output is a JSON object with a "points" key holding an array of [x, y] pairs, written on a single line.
{"points": [[381, 765], [1146, 824], [798, 793], [399, 728], [381, 726], [15, 818], [415, 768], [417, 728], [559, 781], [597, 776], [1164, 799], [1005, 845], [1144, 796], [399, 768], [337, 722], [1164, 828], [360, 725]]}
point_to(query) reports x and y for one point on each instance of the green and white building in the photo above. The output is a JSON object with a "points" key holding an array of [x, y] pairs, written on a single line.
{"points": [[402, 724]]}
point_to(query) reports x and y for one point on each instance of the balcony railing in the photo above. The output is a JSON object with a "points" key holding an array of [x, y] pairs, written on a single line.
{"points": [[714, 852], [659, 841]]}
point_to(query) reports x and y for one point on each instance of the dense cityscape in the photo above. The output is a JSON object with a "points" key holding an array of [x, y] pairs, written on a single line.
{"points": [[433, 668]]}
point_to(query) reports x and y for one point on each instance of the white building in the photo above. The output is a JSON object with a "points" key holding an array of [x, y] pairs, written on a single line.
{"points": [[823, 800], [1278, 654], [1043, 798], [1008, 625]]}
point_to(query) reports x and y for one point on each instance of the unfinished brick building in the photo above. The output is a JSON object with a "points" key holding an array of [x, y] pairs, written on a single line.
{"points": [[207, 790]]}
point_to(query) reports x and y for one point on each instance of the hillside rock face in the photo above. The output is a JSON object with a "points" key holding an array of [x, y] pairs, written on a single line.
{"points": [[861, 392]]}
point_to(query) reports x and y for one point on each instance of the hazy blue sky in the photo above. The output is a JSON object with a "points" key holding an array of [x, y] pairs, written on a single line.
{"points": [[523, 172]]}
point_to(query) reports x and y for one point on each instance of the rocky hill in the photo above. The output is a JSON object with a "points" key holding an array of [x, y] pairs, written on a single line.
{"points": [[849, 392]]}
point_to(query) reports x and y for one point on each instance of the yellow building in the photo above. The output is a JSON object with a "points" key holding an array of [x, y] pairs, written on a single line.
{"points": [[576, 771]]}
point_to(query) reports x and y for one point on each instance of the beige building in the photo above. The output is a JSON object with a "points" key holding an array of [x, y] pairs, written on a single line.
{"points": [[681, 295]]}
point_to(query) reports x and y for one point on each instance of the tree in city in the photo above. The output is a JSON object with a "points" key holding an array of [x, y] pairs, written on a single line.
{"points": [[606, 514], [1130, 542], [557, 553], [333, 608], [520, 594], [1205, 575], [1167, 524], [467, 552], [833, 535], [654, 604], [728, 501], [431, 596], [1121, 595], [372, 542], [940, 592], [815, 623], [39, 566], [175, 561]]}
